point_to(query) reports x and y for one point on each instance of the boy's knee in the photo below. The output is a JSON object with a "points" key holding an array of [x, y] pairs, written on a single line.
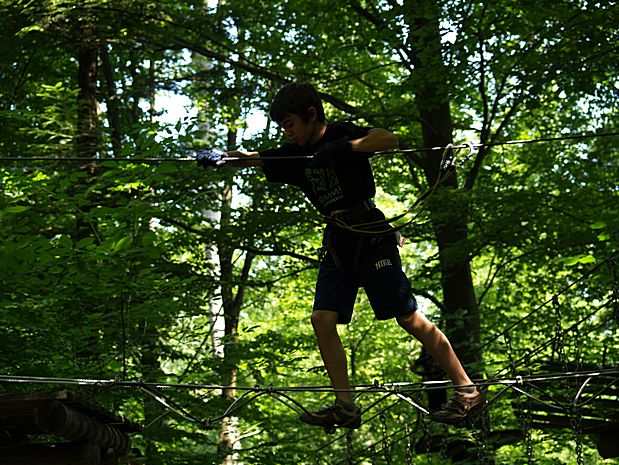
{"points": [[323, 320], [417, 325], [407, 321]]}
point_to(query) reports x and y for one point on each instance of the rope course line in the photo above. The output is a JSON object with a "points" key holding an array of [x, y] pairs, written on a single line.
{"points": [[559, 336], [388, 389], [517, 385], [468, 145], [368, 447], [447, 167], [398, 390], [607, 261], [402, 391], [515, 142], [377, 388]]}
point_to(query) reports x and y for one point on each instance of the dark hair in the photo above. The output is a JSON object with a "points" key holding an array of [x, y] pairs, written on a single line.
{"points": [[296, 98]]}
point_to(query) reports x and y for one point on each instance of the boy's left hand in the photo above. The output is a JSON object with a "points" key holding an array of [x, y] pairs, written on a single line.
{"points": [[212, 157], [327, 153]]}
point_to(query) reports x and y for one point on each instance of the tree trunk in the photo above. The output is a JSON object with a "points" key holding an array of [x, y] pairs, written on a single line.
{"points": [[449, 206], [87, 101], [113, 111], [151, 370], [230, 311]]}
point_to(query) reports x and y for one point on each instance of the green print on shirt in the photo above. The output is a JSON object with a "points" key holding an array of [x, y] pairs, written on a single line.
{"points": [[325, 184]]}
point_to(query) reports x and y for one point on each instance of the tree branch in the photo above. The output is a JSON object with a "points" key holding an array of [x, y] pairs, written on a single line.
{"points": [[431, 298], [249, 250]]}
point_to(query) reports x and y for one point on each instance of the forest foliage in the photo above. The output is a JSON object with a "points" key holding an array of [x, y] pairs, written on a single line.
{"points": [[168, 273]]}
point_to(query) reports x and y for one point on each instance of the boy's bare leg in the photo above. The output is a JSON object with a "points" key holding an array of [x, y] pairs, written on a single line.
{"points": [[343, 411], [437, 345], [332, 352], [465, 401]]}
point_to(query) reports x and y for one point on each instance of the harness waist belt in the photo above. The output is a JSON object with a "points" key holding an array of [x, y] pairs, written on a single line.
{"points": [[355, 210]]}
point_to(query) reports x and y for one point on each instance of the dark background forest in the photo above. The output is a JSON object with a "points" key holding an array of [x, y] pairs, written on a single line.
{"points": [[163, 272]]}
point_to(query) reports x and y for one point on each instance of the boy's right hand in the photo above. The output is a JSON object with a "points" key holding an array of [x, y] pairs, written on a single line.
{"points": [[328, 152], [212, 157]]}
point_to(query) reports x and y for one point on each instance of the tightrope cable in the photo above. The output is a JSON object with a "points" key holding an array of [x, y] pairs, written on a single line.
{"points": [[468, 145], [389, 388]]}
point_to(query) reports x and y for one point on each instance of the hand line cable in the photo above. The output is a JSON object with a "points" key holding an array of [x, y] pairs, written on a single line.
{"points": [[307, 157]]}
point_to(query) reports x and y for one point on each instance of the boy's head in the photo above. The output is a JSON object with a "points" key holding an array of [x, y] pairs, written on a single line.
{"points": [[297, 99]]}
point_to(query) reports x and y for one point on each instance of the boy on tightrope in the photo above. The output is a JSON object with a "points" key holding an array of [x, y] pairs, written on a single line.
{"points": [[333, 171]]}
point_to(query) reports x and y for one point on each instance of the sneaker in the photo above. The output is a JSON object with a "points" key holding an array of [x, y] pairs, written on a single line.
{"points": [[333, 414], [460, 407]]}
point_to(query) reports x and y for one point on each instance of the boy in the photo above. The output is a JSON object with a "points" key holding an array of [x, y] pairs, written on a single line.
{"points": [[333, 171]]}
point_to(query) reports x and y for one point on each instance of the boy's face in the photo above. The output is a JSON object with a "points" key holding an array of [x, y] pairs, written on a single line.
{"points": [[302, 132]]}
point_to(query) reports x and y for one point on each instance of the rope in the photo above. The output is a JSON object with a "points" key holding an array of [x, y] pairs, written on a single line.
{"points": [[447, 165], [517, 385], [608, 260], [387, 390], [393, 388], [471, 146], [512, 142]]}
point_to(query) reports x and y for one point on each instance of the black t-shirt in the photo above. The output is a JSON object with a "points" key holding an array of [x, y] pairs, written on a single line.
{"points": [[348, 182]]}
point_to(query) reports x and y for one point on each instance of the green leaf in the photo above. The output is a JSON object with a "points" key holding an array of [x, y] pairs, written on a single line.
{"points": [[85, 242], [15, 209], [581, 258], [123, 244], [588, 259], [65, 241]]}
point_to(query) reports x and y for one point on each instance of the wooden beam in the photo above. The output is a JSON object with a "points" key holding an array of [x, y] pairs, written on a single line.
{"points": [[54, 417], [22, 401]]}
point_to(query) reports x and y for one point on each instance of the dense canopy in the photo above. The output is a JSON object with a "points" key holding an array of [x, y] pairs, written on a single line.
{"points": [[162, 272]]}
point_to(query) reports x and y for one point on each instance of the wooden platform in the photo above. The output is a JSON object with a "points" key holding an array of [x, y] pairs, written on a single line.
{"points": [[92, 435]]}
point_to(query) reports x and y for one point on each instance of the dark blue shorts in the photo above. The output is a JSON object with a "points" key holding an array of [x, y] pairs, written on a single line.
{"points": [[378, 271]]}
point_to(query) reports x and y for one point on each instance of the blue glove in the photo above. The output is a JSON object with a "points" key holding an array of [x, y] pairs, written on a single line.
{"points": [[327, 153], [212, 157]]}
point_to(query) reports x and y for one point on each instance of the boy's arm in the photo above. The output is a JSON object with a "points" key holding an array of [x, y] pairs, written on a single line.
{"points": [[244, 159], [376, 140]]}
